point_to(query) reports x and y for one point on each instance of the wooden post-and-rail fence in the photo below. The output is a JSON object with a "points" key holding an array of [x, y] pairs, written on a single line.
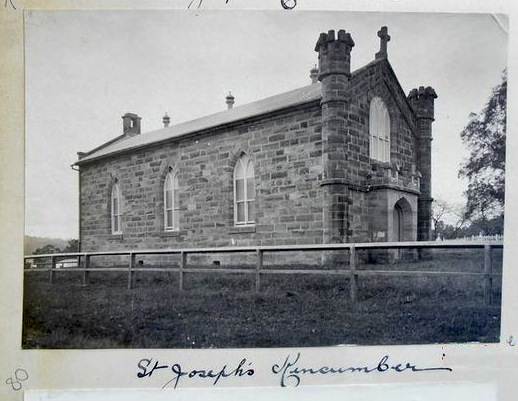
{"points": [[349, 269]]}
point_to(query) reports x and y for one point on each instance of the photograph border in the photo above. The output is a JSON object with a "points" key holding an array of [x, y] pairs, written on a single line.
{"points": [[55, 370]]}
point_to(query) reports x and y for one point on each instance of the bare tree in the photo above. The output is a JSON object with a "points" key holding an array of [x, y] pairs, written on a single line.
{"points": [[448, 219]]}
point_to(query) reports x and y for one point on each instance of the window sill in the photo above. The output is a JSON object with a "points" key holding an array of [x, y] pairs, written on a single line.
{"points": [[241, 229], [375, 163], [115, 236]]}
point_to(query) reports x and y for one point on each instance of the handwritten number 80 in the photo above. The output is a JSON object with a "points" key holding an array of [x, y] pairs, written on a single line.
{"points": [[20, 375]]}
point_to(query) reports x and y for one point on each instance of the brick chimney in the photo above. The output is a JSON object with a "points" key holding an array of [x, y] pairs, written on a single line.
{"points": [[131, 124]]}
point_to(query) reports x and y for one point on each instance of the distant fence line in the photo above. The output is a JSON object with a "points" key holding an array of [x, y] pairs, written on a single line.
{"points": [[349, 269], [477, 238]]}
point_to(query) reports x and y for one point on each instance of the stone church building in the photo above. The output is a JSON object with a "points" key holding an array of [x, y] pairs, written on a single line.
{"points": [[344, 159]]}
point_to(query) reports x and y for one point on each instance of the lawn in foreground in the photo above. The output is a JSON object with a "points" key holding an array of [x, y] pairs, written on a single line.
{"points": [[222, 311]]}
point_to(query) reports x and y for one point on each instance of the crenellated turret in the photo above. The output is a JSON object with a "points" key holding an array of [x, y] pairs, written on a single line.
{"points": [[422, 102], [334, 54], [334, 71]]}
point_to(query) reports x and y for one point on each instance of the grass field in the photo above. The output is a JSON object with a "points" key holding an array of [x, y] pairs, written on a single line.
{"points": [[222, 310]]}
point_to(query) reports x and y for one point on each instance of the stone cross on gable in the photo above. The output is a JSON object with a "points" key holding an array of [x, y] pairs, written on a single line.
{"points": [[384, 38]]}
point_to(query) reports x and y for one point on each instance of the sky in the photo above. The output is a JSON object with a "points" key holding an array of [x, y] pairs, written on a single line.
{"points": [[85, 69]]}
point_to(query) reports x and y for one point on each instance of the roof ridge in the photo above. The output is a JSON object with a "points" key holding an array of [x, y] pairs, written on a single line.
{"points": [[291, 98]]}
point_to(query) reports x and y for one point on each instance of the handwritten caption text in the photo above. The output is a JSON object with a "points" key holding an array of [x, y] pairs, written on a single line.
{"points": [[289, 372]]}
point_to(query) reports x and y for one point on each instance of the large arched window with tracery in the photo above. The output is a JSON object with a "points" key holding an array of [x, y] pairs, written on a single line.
{"points": [[116, 212], [379, 130], [244, 192], [171, 202]]}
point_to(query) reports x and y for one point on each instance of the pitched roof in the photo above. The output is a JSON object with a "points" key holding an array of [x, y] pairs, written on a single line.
{"points": [[121, 144], [295, 97]]}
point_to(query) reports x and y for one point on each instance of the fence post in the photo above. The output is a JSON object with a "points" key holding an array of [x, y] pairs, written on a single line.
{"points": [[51, 270], [258, 268], [183, 265], [86, 272], [353, 282], [488, 271], [130, 270]]}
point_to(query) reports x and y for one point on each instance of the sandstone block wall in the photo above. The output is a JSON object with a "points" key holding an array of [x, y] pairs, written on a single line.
{"points": [[286, 152], [286, 148]]}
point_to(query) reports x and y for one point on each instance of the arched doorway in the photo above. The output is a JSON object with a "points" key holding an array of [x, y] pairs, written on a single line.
{"points": [[398, 223], [401, 224]]}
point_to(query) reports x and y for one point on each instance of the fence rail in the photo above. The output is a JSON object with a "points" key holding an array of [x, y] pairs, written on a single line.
{"points": [[477, 238], [346, 269]]}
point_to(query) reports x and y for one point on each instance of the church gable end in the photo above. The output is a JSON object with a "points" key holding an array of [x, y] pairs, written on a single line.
{"points": [[377, 81]]}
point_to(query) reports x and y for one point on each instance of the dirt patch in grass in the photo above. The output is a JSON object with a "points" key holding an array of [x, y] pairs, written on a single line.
{"points": [[223, 311]]}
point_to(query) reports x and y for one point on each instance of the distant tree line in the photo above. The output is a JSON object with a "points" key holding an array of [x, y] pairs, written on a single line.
{"points": [[72, 246], [458, 225]]}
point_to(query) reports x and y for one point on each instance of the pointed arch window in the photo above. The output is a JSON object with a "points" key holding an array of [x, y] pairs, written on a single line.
{"points": [[379, 130], [116, 212], [171, 202], [244, 192]]}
